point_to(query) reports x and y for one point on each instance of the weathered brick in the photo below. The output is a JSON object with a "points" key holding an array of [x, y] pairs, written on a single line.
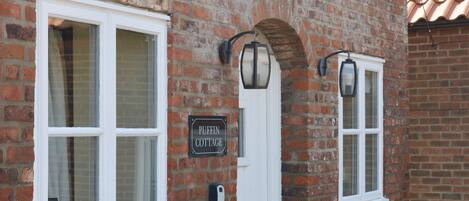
{"points": [[224, 31], [17, 47], [20, 154], [11, 51], [180, 54], [8, 176], [452, 196], [26, 175], [11, 92], [6, 194], [29, 93], [15, 31], [444, 157], [9, 134], [28, 134], [12, 72], [9, 9], [29, 73], [298, 39], [306, 180], [30, 14], [24, 193], [200, 12], [181, 7], [30, 54], [19, 113]]}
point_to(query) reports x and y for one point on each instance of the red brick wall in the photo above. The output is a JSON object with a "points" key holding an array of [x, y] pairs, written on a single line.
{"points": [[17, 74], [199, 84], [439, 114]]}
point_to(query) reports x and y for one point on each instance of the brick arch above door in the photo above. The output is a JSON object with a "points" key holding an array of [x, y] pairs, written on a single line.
{"points": [[307, 117], [285, 43]]}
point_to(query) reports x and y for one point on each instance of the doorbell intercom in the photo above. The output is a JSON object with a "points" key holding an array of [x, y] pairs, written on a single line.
{"points": [[216, 192]]}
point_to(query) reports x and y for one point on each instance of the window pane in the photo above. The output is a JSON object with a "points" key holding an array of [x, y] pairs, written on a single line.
{"points": [[136, 168], [371, 96], [73, 172], [73, 74], [350, 165], [371, 162], [135, 80], [350, 107]]}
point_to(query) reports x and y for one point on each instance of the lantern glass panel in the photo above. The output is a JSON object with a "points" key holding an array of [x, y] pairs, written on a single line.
{"points": [[263, 67], [247, 67], [347, 78]]}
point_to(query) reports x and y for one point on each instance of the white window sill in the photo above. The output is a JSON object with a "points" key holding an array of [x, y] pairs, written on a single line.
{"points": [[381, 199], [364, 199]]}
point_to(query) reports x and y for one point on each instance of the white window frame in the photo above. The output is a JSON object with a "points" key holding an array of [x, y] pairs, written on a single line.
{"points": [[108, 16], [364, 63]]}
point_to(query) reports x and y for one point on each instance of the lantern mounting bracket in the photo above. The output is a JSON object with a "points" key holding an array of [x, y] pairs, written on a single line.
{"points": [[224, 50], [322, 64]]}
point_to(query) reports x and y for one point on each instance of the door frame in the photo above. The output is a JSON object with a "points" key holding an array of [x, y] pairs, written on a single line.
{"points": [[273, 142], [274, 130]]}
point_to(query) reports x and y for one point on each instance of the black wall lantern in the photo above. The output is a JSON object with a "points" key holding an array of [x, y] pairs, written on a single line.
{"points": [[255, 67], [347, 76]]}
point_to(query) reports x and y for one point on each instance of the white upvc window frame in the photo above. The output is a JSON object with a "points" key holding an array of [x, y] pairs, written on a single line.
{"points": [[364, 63], [108, 16]]}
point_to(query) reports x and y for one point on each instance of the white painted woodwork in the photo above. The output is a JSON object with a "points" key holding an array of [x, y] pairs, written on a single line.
{"points": [[259, 172]]}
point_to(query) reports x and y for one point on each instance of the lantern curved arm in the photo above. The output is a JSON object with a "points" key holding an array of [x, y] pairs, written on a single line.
{"points": [[322, 64], [338, 52], [233, 39], [224, 50]]}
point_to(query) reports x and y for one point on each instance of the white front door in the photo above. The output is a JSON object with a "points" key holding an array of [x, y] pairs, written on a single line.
{"points": [[259, 161]]}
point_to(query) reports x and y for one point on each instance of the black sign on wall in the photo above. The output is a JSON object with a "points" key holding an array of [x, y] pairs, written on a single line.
{"points": [[207, 136]]}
